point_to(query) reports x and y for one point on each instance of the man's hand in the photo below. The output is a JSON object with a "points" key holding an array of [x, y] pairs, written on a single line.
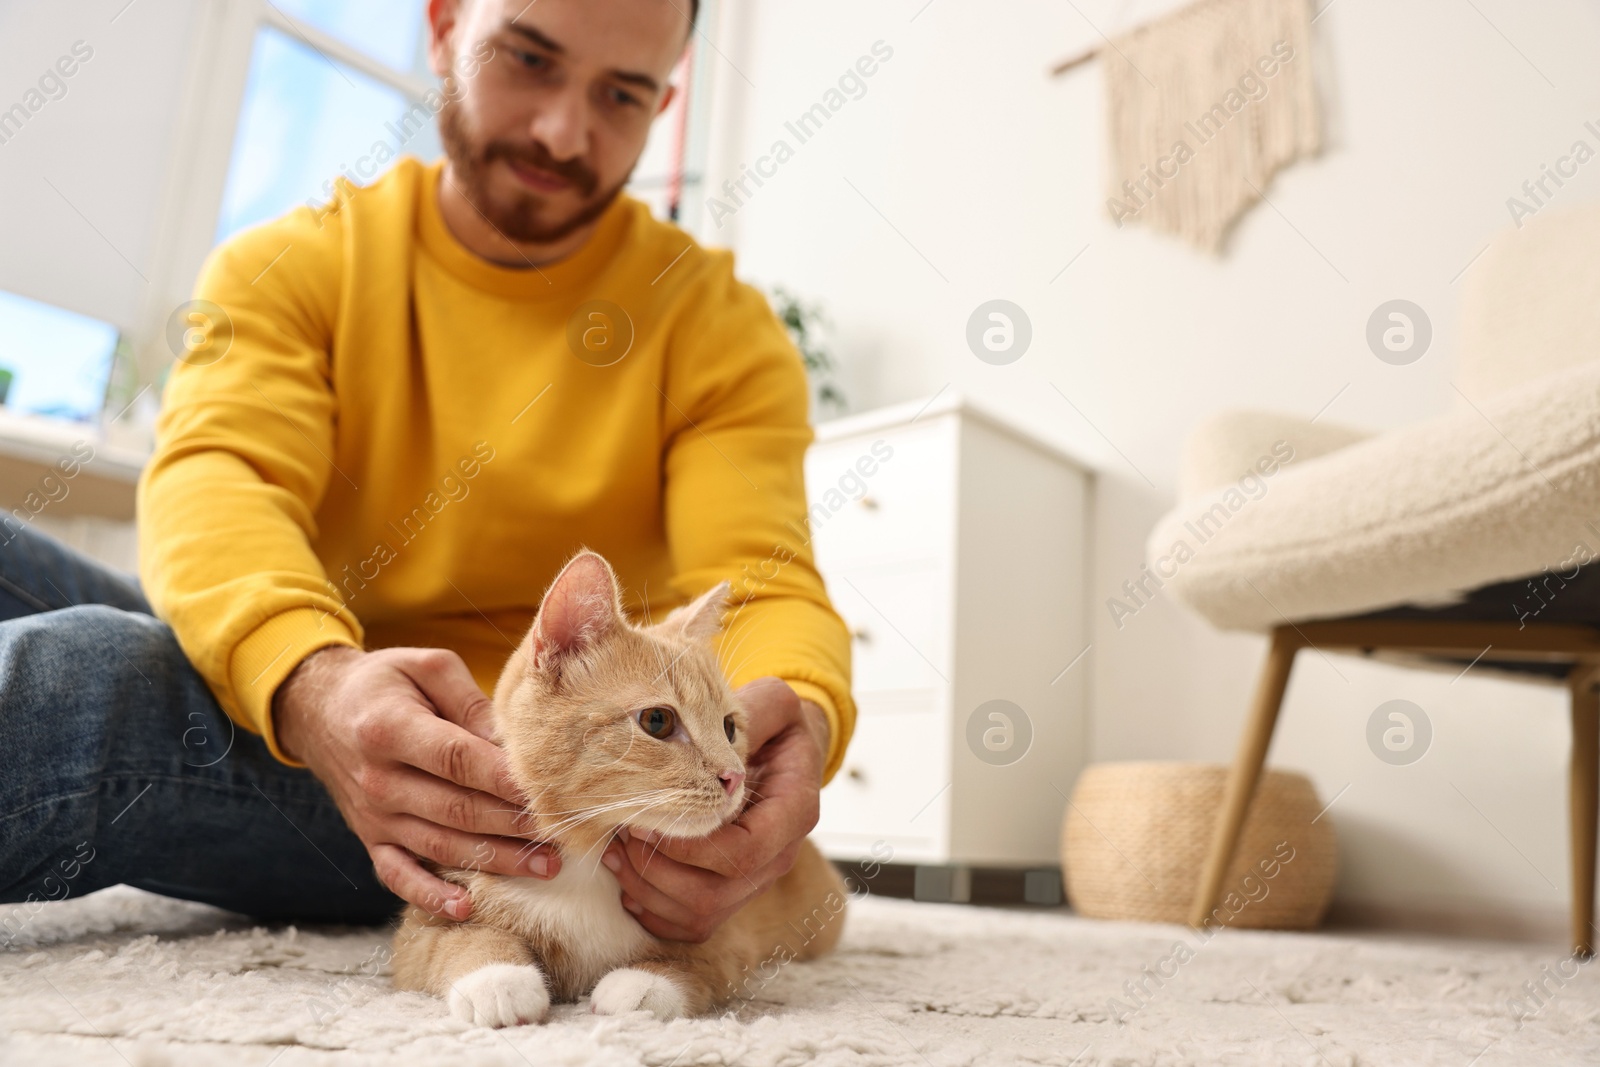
{"points": [[401, 739], [684, 890]]}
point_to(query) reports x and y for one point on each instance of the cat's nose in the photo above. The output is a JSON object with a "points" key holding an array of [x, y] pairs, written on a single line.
{"points": [[731, 781]]}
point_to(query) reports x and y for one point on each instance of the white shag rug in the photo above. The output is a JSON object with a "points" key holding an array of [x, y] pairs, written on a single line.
{"points": [[127, 979]]}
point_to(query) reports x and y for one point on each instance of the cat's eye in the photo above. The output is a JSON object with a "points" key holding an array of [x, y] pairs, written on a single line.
{"points": [[658, 722], [727, 727]]}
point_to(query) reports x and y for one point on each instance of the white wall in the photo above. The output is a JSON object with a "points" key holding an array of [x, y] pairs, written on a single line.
{"points": [[92, 242], [990, 171]]}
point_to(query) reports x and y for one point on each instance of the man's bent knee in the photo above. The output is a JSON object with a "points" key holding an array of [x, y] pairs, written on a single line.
{"points": [[67, 674]]}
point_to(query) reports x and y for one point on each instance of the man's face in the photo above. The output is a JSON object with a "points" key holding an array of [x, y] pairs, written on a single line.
{"points": [[552, 102]]}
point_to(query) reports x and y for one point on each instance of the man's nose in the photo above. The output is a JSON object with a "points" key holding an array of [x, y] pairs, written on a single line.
{"points": [[562, 125]]}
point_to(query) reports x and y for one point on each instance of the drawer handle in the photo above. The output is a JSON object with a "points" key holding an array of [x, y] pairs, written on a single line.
{"points": [[870, 502], [862, 634]]}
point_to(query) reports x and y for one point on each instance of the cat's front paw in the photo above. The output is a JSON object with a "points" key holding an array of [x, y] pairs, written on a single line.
{"points": [[501, 994], [634, 989]]}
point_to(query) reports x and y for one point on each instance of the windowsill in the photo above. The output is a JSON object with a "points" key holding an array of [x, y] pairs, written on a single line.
{"points": [[38, 439], [31, 482]]}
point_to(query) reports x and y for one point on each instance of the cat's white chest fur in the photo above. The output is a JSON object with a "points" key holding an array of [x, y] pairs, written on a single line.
{"points": [[580, 909]]}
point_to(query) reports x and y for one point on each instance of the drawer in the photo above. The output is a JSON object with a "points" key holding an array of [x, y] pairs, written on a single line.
{"points": [[899, 620], [893, 787], [885, 496]]}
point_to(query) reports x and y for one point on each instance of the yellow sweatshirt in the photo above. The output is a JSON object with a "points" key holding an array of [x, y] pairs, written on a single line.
{"points": [[401, 443]]}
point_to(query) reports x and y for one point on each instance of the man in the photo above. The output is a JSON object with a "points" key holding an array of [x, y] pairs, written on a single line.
{"points": [[419, 401]]}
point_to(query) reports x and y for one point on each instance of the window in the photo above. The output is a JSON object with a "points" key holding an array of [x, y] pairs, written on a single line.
{"points": [[53, 362], [389, 32], [329, 81]]}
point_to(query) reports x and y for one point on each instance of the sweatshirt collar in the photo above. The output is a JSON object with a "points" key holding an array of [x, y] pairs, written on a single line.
{"points": [[527, 283]]}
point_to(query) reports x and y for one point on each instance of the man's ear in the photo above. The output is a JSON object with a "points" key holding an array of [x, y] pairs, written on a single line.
{"points": [[702, 617], [443, 17], [580, 607]]}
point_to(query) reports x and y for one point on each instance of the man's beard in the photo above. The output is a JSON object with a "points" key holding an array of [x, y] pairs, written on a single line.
{"points": [[523, 220]]}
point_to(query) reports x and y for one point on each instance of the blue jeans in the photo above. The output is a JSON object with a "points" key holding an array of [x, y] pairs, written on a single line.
{"points": [[117, 765]]}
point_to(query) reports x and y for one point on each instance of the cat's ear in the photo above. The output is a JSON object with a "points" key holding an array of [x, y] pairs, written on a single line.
{"points": [[702, 617], [580, 607]]}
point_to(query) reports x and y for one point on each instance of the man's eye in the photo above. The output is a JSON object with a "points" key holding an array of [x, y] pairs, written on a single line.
{"points": [[658, 722], [623, 99], [727, 727], [529, 59]]}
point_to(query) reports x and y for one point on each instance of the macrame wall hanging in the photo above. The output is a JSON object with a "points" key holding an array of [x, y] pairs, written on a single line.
{"points": [[1204, 106]]}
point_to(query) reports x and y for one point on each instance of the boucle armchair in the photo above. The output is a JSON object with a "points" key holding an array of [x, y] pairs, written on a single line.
{"points": [[1461, 539]]}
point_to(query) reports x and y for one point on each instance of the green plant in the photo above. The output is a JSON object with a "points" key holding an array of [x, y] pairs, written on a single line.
{"points": [[807, 326]]}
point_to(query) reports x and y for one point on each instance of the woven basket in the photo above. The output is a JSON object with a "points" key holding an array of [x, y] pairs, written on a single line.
{"points": [[1135, 836]]}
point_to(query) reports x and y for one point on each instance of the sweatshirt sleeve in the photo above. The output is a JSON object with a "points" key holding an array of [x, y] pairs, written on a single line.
{"points": [[244, 448], [735, 407]]}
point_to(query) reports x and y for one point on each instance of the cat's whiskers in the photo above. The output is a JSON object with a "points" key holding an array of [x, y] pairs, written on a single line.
{"points": [[739, 665], [655, 646], [603, 842], [600, 842], [670, 667], [659, 841], [635, 794], [726, 654], [594, 810], [549, 835], [556, 837], [727, 627], [555, 830], [646, 800], [628, 793]]}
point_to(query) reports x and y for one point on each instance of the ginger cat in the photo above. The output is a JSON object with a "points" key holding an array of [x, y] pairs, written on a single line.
{"points": [[607, 726]]}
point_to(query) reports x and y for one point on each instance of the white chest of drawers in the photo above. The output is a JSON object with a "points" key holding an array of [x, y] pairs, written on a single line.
{"points": [[954, 547]]}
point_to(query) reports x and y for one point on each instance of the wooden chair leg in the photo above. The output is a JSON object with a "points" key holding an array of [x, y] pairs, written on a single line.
{"points": [[1246, 771], [1585, 799]]}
